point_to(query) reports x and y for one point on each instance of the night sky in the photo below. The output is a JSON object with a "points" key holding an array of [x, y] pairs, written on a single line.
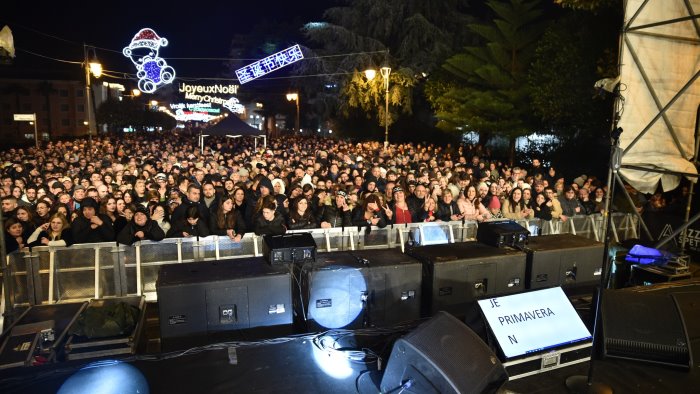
{"points": [[194, 29]]}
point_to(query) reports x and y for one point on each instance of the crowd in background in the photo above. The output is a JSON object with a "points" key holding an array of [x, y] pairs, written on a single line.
{"points": [[128, 188]]}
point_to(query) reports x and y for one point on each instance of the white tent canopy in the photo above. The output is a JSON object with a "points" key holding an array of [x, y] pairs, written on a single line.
{"points": [[660, 65]]}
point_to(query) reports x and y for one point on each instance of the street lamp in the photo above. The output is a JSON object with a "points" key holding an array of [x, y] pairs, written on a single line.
{"points": [[295, 97], [96, 69], [386, 71]]}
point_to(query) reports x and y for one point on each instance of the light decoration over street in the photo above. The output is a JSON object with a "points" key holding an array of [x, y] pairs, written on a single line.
{"points": [[269, 64], [152, 70], [234, 106]]}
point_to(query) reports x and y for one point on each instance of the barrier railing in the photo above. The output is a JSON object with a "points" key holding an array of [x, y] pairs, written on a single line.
{"points": [[45, 275]]}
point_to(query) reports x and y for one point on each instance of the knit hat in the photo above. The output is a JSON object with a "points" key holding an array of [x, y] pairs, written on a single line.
{"points": [[140, 208], [265, 182], [88, 202]]}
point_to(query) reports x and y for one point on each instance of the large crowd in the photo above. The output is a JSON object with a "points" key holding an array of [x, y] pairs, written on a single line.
{"points": [[128, 188]]}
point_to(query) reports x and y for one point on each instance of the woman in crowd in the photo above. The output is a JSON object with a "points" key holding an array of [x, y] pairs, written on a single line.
{"points": [[400, 212], [227, 221], [160, 215], [514, 207], [13, 235], [429, 211], [471, 207], [570, 206], [54, 233], [43, 212], [109, 209], [540, 208], [300, 216], [369, 213], [189, 226], [25, 216]]}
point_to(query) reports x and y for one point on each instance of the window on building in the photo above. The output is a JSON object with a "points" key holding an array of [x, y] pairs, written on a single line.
{"points": [[80, 108], [79, 93], [65, 122], [63, 92], [27, 107], [64, 107]]}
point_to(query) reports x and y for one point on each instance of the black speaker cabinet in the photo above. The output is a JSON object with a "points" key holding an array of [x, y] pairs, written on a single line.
{"points": [[443, 356], [502, 233], [454, 275], [289, 248], [362, 288], [214, 296], [564, 260], [645, 326]]}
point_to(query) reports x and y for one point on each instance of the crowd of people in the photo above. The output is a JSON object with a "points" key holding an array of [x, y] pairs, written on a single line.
{"points": [[128, 188]]}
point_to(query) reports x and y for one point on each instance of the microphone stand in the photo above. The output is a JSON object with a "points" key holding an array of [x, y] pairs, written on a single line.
{"points": [[581, 383]]}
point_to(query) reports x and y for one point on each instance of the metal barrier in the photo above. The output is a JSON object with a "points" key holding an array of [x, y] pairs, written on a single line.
{"points": [[48, 275]]}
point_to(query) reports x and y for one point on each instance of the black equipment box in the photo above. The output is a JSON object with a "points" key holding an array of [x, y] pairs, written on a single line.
{"points": [[289, 248], [565, 260], [454, 275], [79, 347], [643, 275], [39, 331], [502, 233], [362, 288], [200, 298]]}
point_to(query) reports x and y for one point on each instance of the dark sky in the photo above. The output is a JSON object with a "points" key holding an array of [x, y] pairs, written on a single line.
{"points": [[194, 29]]}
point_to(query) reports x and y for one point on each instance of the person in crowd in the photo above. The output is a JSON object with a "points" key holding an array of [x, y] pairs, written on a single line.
{"points": [[369, 213], [227, 221], [109, 209], [587, 204], [337, 214], [553, 203], [401, 213], [9, 206], [599, 200], [56, 232], [269, 221], [428, 213], [570, 205], [191, 225], [540, 207], [43, 212], [448, 209], [13, 235], [192, 199], [140, 228], [300, 215], [90, 226], [160, 215], [514, 207], [25, 216], [471, 207]]}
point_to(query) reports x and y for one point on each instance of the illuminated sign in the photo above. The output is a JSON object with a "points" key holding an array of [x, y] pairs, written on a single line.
{"points": [[234, 106], [269, 64], [196, 107], [152, 70], [210, 89]]}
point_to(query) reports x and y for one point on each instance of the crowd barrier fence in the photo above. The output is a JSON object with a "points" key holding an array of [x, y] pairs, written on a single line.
{"points": [[47, 275]]}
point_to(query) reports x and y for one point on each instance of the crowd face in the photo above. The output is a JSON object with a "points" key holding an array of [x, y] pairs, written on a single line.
{"points": [[517, 195], [56, 225], [15, 230], [268, 214], [471, 193], [193, 194], [140, 219]]}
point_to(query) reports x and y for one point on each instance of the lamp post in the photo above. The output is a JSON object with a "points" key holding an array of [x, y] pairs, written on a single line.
{"points": [[96, 69], [386, 71], [295, 97]]}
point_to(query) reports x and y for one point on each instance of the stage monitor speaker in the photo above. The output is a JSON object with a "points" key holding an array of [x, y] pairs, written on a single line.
{"points": [[455, 275], [502, 233], [201, 298], [289, 248], [443, 356], [362, 288], [644, 327]]}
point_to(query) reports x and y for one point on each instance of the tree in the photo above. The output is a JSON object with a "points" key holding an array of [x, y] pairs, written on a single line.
{"points": [[411, 36], [491, 94]]}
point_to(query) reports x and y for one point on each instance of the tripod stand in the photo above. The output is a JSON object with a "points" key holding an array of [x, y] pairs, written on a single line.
{"points": [[581, 383]]}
